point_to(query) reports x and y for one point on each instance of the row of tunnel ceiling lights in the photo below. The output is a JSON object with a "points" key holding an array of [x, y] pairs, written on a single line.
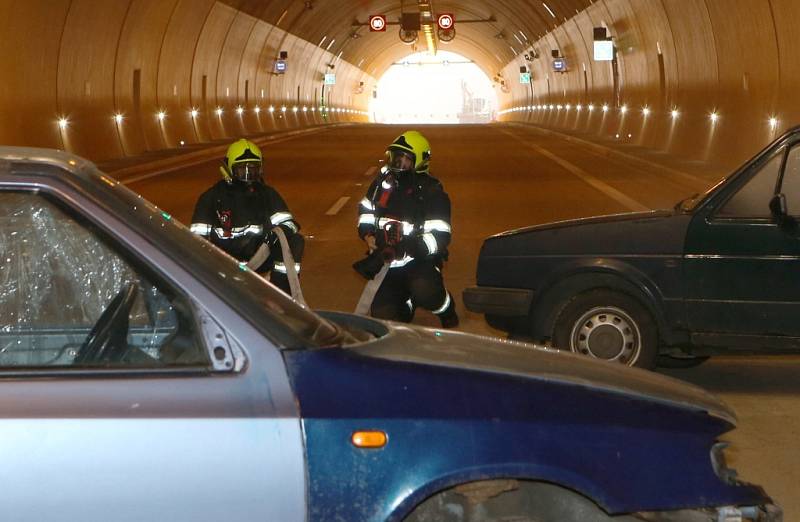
{"points": [[63, 122], [646, 111]]}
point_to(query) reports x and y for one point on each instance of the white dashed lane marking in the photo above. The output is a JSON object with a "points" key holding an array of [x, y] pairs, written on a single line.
{"points": [[337, 206], [603, 187]]}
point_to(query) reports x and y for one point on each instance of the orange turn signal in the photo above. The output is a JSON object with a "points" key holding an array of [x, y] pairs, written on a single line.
{"points": [[369, 439]]}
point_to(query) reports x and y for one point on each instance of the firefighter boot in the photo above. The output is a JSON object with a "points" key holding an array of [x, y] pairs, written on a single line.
{"points": [[448, 316]]}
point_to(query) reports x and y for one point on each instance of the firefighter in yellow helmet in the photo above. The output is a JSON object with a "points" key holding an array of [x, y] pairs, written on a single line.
{"points": [[405, 221], [240, 212]]}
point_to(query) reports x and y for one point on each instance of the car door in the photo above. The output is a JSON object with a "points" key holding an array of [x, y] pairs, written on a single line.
{"points": [[743, 268], [122, 397]]}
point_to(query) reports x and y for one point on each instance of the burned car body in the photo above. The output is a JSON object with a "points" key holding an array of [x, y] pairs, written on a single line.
{"points": [[719, 272], [144, 375]]}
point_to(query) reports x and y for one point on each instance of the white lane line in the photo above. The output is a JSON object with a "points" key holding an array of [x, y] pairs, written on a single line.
{"points": [[603, 187], [337, 206], [370, 171]]}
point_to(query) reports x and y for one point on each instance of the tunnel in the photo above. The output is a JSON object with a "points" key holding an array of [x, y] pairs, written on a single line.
{"points": [[598, 108], [708, 80]]}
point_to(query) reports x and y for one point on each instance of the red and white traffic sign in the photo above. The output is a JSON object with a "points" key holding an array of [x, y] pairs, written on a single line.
{"points": [[377, 23], [446, 21]]}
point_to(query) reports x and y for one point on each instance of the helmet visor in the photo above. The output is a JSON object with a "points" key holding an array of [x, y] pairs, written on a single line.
{"points": [[400, 160], [247, 172]]}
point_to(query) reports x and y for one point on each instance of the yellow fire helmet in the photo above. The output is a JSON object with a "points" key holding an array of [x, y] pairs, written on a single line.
{"points": [[414, 144], [242, 162]]}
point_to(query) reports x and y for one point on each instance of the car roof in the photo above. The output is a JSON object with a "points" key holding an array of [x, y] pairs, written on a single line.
{"points": [[57, 158]]}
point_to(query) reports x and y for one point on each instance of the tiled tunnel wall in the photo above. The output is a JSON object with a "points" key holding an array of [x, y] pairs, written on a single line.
{"points": [[737, 58], [87, 61]]}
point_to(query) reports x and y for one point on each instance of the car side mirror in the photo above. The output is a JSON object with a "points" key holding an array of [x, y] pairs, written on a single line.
{"points": [[777, 206], [780, 213]]}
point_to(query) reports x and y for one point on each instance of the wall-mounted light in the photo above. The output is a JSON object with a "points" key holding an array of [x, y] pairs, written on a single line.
{"points": [[283, 109], [646, 111], [271, 108], [63, 123], [194, 112], [605, 108], [305, 109], [623, 109], [219, 111], [294, 109], [675, 113], [773, 122], [161, 115], [239, 110], [713, 117], [118, 118], [590, 107], [579, 107], [257, 109], [568, 106]]}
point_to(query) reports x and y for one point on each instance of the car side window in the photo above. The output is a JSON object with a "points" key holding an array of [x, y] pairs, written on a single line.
{"points": [[69, 299], [790, 186], [752, 200]]}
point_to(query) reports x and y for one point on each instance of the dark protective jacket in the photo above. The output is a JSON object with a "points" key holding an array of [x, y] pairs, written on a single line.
{"points": [[238, 217], [419, 202]]}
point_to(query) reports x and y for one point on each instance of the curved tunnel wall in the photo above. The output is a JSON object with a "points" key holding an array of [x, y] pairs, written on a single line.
{"points": [[737, 58], [88, 61]]}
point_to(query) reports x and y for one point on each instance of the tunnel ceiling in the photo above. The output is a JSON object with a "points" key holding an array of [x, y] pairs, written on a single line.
{"points": [[491, 33]]}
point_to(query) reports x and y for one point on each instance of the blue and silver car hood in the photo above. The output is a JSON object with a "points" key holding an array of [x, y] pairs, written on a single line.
{"points": [[412, 344]]}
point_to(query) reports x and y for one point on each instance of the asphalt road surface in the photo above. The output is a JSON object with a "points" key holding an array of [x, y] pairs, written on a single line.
{"points": [[501, 177]]}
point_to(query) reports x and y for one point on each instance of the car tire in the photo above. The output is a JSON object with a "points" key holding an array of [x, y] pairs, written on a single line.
{"points": [[680, 363], [607, 325]]}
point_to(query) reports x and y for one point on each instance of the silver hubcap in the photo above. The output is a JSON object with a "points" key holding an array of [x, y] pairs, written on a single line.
{"points": [[607, 333]]}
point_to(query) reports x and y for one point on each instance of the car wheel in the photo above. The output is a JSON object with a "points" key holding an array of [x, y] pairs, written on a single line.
{"points": [[608, 325]]}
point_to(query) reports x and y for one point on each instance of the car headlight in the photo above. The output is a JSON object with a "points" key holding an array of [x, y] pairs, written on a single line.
{"points": [[720, 465]]}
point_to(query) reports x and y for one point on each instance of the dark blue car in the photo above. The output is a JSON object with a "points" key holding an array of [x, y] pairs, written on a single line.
{"points": [[144, 375], [719, 272]]}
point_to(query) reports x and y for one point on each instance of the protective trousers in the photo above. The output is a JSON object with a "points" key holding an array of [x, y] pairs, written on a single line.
{"points": [[419, 283]]}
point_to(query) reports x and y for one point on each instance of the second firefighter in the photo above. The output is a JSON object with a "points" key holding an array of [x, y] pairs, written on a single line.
{"points": [[405, 222]]}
